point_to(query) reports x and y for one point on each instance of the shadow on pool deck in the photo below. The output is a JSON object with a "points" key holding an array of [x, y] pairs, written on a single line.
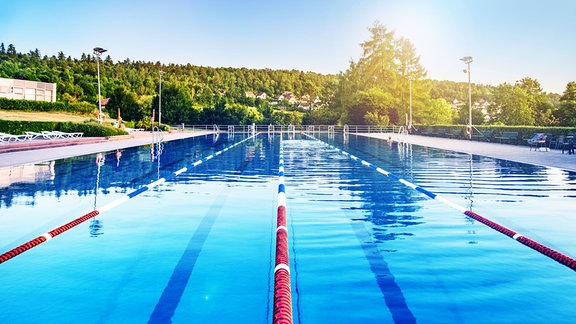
{"points": [[517, 153]]}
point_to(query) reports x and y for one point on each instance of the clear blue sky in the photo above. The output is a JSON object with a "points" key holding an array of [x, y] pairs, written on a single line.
{"points": [[508, 39]]}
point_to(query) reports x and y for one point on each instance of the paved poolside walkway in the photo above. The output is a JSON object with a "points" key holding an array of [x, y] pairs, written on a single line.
{"points": [[518, 153], [15, 154]]}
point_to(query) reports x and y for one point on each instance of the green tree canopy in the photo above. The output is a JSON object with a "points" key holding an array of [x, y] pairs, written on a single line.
{"points": [[511, 106], [566, 112]]}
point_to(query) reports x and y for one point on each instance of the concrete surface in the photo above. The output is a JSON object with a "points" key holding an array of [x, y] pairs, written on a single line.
{"points": [[517, 153]]}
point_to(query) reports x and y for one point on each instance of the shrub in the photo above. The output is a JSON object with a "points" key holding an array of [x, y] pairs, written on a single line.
{"points": [[31, 105], [90, 129]]}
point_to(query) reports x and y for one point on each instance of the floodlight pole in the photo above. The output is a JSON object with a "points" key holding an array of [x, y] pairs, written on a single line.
{"points": [[467, 60], [410, 123], [160, 99], [98, 51]]}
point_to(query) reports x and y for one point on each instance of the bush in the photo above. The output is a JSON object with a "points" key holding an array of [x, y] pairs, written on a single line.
{"points": [[31, 105], [147, 124], [90, 129], [524, 132]]}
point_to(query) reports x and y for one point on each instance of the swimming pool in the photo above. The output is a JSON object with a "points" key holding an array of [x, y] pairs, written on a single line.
{"points": [[363, 248]]}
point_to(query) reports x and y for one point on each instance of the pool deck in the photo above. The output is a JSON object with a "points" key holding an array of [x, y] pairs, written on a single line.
{"points": [[14, 154], [36, 151], [518, 153]]}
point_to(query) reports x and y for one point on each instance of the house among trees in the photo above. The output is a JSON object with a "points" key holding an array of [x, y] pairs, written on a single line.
{"points": [[288, 96], [306, 102], [250, 94], [456, 104], [262, 95]]}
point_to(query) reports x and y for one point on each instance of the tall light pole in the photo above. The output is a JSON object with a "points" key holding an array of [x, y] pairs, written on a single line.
{"points": [[98, 52], [410, 123], [467, 60], [160, 99]]}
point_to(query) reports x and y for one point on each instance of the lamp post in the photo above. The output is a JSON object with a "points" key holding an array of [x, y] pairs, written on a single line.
{"points": [[410, 123], [160, 99], [98, 52], [467, 60]]}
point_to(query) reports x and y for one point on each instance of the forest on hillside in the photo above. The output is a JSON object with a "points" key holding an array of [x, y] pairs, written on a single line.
{"points": [[377, 89]]}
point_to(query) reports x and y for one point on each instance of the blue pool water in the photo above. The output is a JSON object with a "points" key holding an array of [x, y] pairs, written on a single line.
{"points": [[363, 248]]}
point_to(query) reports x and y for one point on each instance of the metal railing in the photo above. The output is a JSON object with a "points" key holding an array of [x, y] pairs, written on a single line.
{"points": [[351, 129]]}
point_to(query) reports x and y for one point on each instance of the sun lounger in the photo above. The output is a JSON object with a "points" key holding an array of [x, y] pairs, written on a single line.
{"points": [[50, 135], [67, 135], [33, 135], [6, 138]]}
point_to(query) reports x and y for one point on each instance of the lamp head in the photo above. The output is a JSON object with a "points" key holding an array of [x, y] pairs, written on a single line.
{"points": [[99, 50], [467, 59]]}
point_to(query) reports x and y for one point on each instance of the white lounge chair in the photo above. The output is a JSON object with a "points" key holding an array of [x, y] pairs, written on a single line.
{"points": [[6, 138], [33, 135], [50, 135], [59, 134], [70, 135]]}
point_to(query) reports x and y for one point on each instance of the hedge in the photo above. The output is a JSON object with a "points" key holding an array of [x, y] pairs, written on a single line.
{"points": [[31, 105], [90, 129], [524, 132]]}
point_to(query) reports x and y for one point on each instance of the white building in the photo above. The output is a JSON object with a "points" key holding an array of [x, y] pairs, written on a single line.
{"points": [[29, 90]]}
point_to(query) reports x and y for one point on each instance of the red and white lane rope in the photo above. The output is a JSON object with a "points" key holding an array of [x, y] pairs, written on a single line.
{"points": [[282, 293], [551, 253], [59, 230]]}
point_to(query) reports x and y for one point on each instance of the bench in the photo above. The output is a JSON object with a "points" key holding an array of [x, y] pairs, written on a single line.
{"points": [[507, 138], [483, 136], [454, 133]]}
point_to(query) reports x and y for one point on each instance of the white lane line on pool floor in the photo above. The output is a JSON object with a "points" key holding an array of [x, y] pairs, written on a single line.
{"points": [[542, 249], [59, 230]]}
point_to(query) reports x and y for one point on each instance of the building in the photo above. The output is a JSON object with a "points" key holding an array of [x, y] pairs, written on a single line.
{"points": [[288, 96], [29, 90]]}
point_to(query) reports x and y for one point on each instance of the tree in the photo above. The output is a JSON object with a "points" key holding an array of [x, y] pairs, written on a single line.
{"points": [[511, 106], [437, 112], [11, 50], [377, 64], [542, 108], [176, 104], [371, 106], [566, 112], [126, 102], [409, 71], [387, 65]]}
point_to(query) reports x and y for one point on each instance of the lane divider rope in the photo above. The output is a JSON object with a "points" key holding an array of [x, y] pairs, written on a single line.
{"points": [[551, 253], [282, 294], [59, 230]]}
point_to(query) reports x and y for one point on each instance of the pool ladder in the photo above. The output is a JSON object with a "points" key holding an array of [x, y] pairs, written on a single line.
{"points": [[402, 134]]}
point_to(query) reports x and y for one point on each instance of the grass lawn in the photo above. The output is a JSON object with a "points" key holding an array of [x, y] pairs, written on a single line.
{"points": [[43, 116]]}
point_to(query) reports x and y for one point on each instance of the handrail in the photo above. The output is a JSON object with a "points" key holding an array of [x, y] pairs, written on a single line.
{"points": [[402, 134], [354, 129]]}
